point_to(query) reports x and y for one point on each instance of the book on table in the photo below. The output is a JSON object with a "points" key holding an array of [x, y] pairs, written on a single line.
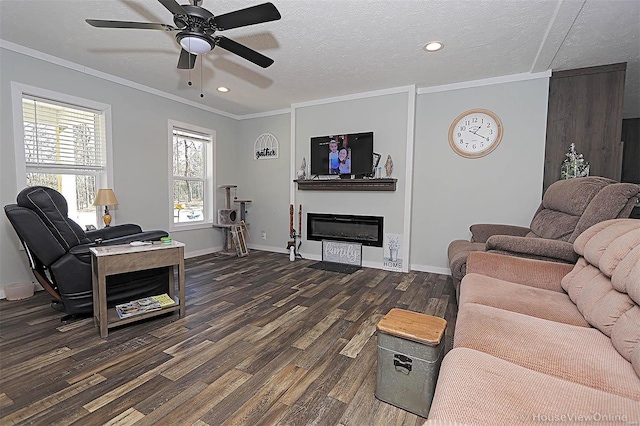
{"points": [[144, 305]]}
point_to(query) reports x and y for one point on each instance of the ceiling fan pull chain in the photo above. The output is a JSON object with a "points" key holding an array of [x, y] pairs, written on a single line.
{"points": [[201, 89]]}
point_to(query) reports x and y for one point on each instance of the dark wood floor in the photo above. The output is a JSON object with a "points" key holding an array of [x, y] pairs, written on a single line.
{"points": [[265, 341]]}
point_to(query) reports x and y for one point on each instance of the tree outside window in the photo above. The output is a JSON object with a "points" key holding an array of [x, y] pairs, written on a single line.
{"points": [[191, 176], [64, 149]]}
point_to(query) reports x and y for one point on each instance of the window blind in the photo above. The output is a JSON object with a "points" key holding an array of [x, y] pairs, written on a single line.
{"points": [[63, 137]]}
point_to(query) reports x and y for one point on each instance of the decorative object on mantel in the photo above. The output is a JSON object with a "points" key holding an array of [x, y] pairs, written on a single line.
{"points": [[574, 165], [266, 147], [388, 166], [302, 171], [376, 171], [392, 257]]}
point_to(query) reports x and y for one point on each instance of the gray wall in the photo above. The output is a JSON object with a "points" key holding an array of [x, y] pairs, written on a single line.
{"points": [[386, 116], [265, 182], [449, 192], [140, 152], [452, 192]]}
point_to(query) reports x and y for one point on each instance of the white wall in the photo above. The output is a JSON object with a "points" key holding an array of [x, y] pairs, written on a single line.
{"points": [[452, 192], [140, 152]]}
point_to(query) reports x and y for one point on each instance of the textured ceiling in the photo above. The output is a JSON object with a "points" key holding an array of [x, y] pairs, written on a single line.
{"points": [[327, 48]]}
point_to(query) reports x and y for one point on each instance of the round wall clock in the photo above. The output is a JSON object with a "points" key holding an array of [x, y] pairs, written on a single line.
{"points": [[475, 133]]}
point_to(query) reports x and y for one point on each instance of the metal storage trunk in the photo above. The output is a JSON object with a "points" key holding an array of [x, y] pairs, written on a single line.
{"points": [[410, 350]]}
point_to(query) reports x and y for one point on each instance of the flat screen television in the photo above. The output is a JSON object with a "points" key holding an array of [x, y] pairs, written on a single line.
{"points": [[347, 154]]}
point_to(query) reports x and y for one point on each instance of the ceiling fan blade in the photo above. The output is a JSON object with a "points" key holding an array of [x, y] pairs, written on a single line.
{"points": [[126, 24], [244, 51], [187, 60], [173, 7], [251, 15]]}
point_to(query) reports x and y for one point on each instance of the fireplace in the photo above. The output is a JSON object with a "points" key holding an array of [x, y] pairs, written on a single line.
{"points": [[366, 230]]}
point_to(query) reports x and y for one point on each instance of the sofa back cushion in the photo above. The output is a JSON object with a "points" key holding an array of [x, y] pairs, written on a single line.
{"points": [[614, 201], [605, 283], [563, 204]]}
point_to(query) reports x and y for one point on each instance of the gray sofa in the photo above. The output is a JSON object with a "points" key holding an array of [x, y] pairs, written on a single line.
{"points": [[567, 209]]}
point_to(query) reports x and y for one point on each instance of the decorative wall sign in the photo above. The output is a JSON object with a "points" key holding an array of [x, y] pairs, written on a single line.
{"points": [[266, 147], [339, 252], [392, 253]]}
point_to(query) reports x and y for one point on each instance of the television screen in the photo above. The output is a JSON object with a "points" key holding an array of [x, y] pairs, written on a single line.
{"points": [[347, 154]]}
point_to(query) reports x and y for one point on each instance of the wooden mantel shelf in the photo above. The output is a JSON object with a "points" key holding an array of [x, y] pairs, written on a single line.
{"points": [[347, 184]]}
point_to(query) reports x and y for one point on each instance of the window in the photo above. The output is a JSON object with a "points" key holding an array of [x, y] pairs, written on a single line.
{"points": [[191, 175], [63, 145]]}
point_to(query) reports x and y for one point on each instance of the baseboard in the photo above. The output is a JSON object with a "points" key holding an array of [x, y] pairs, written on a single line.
{"points": [[203, 252], [429, 268], [268, 248]]}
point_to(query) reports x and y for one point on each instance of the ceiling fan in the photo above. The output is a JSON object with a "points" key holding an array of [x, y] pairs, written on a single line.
{"points": [[197, 26]]}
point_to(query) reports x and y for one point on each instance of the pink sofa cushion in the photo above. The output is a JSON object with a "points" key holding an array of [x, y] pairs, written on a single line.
{"points": [[479, 389], [581, 355], [626, 278], [610, 235], [524, 299], [605, 283]]}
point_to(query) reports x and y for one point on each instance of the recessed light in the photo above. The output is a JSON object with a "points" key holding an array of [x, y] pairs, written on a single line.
{"points": [[433, 46], [223, 89]]}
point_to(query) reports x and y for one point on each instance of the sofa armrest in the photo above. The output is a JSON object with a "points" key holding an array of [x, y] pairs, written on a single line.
{"points": [[519, 270], [481, 232], [535, 248]]}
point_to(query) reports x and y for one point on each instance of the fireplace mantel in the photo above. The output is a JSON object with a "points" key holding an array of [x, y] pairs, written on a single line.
{"points": [[347, 184]]}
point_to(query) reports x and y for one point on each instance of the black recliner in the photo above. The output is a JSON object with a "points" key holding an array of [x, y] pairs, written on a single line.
{"points": [[58, 251]]}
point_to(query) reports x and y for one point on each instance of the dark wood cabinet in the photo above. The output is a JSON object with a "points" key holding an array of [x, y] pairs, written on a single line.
{"points": [[631, 157], [585, 108]]}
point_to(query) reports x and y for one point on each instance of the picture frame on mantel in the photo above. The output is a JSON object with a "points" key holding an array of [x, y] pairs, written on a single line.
{"points": [[376, 162]]}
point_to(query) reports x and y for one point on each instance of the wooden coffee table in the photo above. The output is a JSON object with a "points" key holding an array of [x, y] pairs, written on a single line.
{"points": [[119, 259]]}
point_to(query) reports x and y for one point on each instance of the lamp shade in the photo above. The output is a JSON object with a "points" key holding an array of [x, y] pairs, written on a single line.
{"points": [[105, 197]]}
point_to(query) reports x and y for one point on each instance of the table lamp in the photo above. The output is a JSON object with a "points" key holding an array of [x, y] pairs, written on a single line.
{"points": [[106, 198]]}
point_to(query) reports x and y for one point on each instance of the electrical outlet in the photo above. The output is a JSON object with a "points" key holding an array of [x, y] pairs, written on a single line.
{"points": [[264, 235]]}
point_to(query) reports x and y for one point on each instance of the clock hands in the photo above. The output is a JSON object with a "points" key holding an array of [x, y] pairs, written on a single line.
{"points": [[475, 130]]}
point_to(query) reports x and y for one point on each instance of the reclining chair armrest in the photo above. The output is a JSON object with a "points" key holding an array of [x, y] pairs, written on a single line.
{"points": [[534, 248], [140, 236], [113, 231], [481, 232], [519, 270]]}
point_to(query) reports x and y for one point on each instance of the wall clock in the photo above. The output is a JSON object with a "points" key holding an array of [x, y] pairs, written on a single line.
{"points": [[475, 133]]}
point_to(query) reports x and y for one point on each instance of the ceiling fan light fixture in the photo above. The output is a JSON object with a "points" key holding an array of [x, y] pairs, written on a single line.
{"points": [[195, 43]]}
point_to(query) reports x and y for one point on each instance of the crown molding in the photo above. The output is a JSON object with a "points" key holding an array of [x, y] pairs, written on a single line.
{"points": [[4, 44], [485, 82]]}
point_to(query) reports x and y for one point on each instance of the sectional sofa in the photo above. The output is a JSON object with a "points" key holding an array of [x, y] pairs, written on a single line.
{"points": [[542, 342]]}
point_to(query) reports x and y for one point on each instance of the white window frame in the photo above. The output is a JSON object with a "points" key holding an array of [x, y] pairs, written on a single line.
{"points": [[210, 177], [18, 91]]}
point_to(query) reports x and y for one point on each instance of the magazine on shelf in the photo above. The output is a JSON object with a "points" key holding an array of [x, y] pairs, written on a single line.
{"points": [[144, 305]]}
